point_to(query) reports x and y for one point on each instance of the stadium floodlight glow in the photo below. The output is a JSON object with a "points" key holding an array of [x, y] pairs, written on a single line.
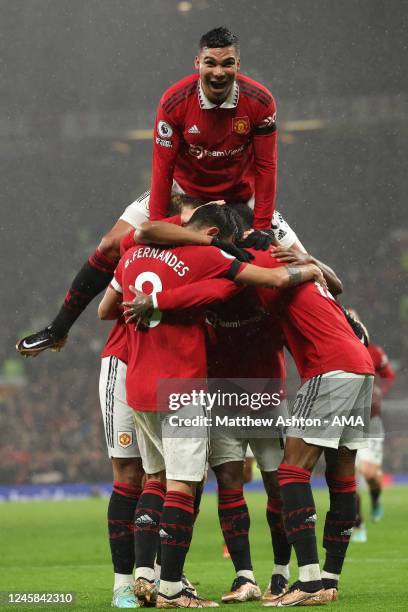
{"points": [[139, 134], [184, 6], [304, 125]]}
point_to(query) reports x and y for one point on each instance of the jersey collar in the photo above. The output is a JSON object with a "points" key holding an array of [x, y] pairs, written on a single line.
{"points": [[230, 102]]}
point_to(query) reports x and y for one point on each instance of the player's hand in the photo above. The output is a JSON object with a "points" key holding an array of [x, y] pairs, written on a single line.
{"points": [[232, 249], [140, 309], [358, 328], [292, 256], [318, 276], [259, 240]]}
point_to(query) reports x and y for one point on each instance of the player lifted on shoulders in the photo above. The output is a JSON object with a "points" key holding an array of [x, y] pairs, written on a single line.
{"points": [[215, 134], [215, 137]]}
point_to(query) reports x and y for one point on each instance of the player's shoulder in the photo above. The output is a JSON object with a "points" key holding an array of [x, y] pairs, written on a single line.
{"points": [[254, 91], [264, 259], [179, 92]]}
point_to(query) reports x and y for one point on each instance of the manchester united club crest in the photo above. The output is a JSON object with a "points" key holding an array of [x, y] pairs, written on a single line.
{"points": [[125, 438], [241, 125]]}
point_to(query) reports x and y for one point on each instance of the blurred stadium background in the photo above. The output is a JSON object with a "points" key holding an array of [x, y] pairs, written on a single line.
{"points": [[79, 87]]}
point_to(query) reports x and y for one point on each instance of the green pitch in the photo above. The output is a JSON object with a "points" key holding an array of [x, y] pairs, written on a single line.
{"points": [[62, 546]]}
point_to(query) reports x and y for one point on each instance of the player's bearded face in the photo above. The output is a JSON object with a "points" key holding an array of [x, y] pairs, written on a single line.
{"points": [[218, 69]]}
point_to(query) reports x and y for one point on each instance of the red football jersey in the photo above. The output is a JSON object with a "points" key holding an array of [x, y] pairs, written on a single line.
{"points": [[174, 345], [116, 342], [244, 341], [384, 376], [315, 328], [216, 152]]}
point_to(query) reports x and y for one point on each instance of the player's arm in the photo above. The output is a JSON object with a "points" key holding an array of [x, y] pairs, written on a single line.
{"points": [[265, 160], [166, 144], [162, 232], [385, 373], [205, 292], [110, 306], [194, 295], [294, 256], [281, 277]]}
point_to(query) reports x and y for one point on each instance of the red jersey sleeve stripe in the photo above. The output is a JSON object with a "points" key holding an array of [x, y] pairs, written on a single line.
{"points": [[255, 87], [256, 90], [255, 95], [183, 99], [177, 93], [171, 104]]}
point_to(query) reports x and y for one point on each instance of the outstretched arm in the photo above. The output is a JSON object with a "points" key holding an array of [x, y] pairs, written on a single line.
{"points": [[211, 290]]}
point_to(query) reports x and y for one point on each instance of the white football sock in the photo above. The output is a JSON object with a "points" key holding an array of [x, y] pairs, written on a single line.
{"points": [[122, 579], [283, 570], [246, 574], [170, 588], [145, 572], [307, 573], [330, 576]]}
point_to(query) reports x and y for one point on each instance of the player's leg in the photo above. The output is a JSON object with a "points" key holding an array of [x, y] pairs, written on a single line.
{"points": [[127, 476], [94, 276], [373, 476], [150, 506], [127, 486], [248, 467], [359, 534], [340, 519], [370, 460], [185, 454], [268, 453], [281, 548], [227, 455], [350, 397], [247, 477], [304, 445], [299, 514]]}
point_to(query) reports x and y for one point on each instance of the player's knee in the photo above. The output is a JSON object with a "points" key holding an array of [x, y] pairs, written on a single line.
{"points": [[270, 480], [128, 471], [110, 246], [300, 454], [341, 461], [229, 475], [372, 477]]}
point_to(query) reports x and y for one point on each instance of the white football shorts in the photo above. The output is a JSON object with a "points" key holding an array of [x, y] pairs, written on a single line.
{"points": [[332, 410], [138, 212], [166, 444], [375, 450], [120, 431], [226, 446]]}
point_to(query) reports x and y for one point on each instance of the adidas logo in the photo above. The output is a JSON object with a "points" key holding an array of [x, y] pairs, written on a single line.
{"points": [[145, 519], [164, 534], [347, 532], [194, 130], [311, 519]]}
